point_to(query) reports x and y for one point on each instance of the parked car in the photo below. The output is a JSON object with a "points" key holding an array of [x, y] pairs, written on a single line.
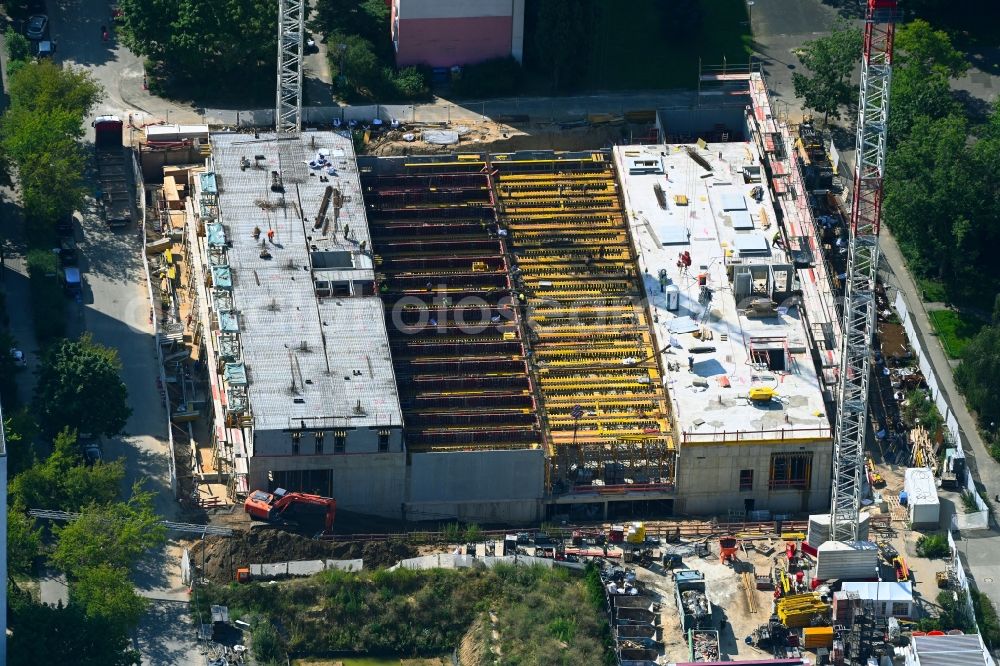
{"points": [[72, 282], [67, 252], [45, 48], [36, 26], [64, 225], [90, 447], [20, 360], [309, 45]]}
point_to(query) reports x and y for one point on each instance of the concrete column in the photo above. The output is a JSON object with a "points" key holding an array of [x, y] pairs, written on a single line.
{"points": [[605, 509], [517, 29]]}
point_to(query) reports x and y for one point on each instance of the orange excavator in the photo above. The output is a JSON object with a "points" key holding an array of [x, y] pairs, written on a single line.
{"points": [[291, 509]]}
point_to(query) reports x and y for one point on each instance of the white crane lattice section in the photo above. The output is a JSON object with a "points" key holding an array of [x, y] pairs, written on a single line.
{"points": [[288, 106], [862, 272]]}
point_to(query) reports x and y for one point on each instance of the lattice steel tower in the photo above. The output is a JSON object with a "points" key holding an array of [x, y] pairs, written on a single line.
{"points": [[862, 271], [288, 106]]}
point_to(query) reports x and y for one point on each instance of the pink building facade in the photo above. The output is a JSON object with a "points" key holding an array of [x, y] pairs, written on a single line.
{"points": [[443, 33]]}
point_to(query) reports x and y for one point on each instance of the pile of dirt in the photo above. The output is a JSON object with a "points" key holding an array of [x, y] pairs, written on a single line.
{"points": [[223, 555], [547, 137]]}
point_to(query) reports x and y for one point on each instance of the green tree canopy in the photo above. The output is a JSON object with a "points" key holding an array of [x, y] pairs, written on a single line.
{"points": [[24, 541], [18, 46], [217, 43], [62, 482], [830, 60], [43, 634], [561, 40], [107, 594], [46, 86], [367, 19], [116, 535], [979, 375], [925, 63], [79, 386]]}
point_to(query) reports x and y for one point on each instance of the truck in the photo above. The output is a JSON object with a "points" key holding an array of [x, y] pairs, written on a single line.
{"points": [[113, 194]]}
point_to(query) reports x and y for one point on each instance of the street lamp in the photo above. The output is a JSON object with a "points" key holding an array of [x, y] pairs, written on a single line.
{"points": [[750, 4]]}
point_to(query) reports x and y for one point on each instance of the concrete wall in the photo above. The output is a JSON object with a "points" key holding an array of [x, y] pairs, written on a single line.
{"points": [[708, 479], [372, 483], [481, 486], [359, 440]]}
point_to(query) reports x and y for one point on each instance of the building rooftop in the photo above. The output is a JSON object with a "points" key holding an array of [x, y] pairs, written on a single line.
{"points": [[950, 651], [312, 332], [743, 331]]}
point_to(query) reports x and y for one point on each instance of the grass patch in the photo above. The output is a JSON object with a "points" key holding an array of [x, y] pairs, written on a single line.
{"points": [[932, 291], [955, 329], [540, 613]]}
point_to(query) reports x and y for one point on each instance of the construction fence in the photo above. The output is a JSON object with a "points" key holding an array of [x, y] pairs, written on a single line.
{"points": [[955, 565], [979, 519]]}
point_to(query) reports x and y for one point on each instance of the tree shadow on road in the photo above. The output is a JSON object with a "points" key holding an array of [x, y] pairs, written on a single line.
{"points": [[166, 635]]}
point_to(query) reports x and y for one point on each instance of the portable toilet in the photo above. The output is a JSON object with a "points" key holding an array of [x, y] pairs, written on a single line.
{"points": [[673, 297]]}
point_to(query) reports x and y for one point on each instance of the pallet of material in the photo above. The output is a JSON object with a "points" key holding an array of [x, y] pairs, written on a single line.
{"points": [[817, 637], [799, 610]]}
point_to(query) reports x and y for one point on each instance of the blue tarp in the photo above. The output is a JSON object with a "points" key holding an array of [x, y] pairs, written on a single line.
{"points": [[208, 183], [216, 234], [228, 322], [235, 373], [222, 277]]}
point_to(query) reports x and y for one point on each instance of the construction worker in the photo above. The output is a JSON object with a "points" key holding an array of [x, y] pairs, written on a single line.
{"points": [[270, 236], [256, 233]]}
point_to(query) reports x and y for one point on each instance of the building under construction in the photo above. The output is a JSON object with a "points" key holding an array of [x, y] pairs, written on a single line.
{"points": [[501, 337]]}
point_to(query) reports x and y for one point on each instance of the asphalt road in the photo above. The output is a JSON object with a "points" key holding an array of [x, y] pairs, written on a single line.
{"points": [[116, 311]]}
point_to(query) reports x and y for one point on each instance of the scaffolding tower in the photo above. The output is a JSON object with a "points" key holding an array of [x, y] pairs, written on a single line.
{"points": [[288, 105], [862, 271]]}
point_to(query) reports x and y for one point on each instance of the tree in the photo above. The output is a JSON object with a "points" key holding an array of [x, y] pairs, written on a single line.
{"points": [[107, 594], [116, 535], [979, 375], [42, 634], [24, 542], [79, 386], [831, 60], [63, 482], [212, 44], [45, 86], [561, 39], [368, 19], [925, 62], [18, 46]]}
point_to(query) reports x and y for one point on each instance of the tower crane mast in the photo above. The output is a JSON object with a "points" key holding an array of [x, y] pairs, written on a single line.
{"points": [[862, 271], [288, 105]]}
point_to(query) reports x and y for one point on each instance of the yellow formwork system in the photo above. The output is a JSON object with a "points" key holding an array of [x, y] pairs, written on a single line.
{"points": [[591, 343]]}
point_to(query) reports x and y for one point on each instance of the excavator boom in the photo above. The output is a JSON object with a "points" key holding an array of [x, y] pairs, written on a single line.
{"points": [[282, 507]]}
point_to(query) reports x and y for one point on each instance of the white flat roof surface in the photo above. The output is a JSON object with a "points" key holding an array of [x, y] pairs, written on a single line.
{"points": [[951, 651], [334, 351], [798, 409], [880, 591], [918, 482]]}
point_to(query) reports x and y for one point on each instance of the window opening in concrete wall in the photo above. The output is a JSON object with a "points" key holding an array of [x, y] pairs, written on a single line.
{"points": [[339, 441], [296, 438], [383, 441], [320, 436], [790, 471], [746, 479]]}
